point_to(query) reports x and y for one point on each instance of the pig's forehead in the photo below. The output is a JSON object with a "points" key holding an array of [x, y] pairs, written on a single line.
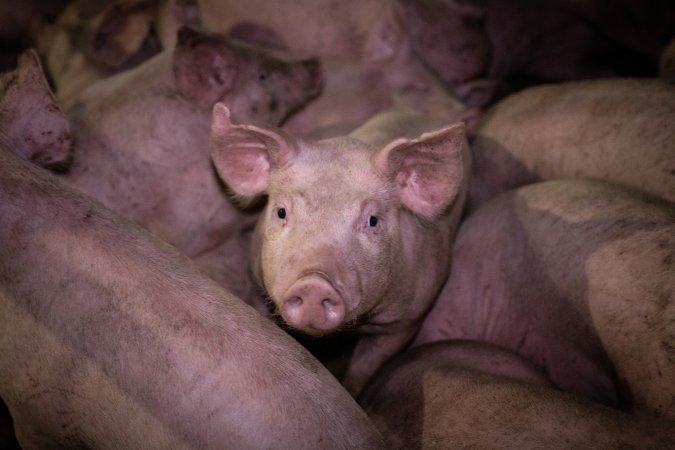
{"points": [[330, 168]]}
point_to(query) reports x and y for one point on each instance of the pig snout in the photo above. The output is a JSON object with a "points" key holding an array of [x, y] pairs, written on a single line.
{"points": [[313, 305]]}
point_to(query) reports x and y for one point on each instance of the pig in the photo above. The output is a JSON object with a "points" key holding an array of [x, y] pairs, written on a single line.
{"points": [[357, 229], [33, 124], [141, 143], [91, 40], [383, 74], [469, 394], [110, 338], [617, 129], [448, 36], [576, 276]]}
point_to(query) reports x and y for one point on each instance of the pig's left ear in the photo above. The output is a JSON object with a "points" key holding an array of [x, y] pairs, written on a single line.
{"points": [[30, 117], [244, 154], [427, 171]]}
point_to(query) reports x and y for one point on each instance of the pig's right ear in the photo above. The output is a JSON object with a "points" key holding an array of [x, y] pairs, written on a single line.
{"points": [[244, 154]]}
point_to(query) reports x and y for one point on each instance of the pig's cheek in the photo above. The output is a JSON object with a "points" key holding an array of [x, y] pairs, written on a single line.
{"points": [[271, 260]]}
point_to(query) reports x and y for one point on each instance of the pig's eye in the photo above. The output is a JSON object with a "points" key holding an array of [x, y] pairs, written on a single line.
{"points": [[281, 213], [372, 221]]}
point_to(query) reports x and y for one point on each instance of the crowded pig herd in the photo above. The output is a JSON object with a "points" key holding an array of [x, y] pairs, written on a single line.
{"points": [[328, 224]]}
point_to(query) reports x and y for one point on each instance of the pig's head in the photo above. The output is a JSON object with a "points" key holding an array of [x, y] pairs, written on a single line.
{"points": [[448, 36], [351, 231], [259, 86], [31, 122]]}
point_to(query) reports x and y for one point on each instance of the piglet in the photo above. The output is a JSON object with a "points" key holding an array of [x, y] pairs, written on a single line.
{"points": [[357, 229], [109, 338]]}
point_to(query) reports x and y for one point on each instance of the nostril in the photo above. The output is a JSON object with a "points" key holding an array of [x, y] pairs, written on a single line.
{"points": [[294, 301], [327, 303]]}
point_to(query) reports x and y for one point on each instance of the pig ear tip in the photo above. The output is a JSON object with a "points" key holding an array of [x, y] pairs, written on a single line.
{"points": [[221, 109]]}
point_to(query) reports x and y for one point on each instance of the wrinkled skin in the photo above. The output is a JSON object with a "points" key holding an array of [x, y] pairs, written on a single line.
{"points": [[109, 338], [462, 394], [576, 276], [33, 125], [357, 229], [141, 143], [618, 129], [92, 40]]}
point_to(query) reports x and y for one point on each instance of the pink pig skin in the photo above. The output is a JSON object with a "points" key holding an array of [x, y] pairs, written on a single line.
{"points": [[576, 276], [618, 129], [463, 394], [109, 338], [357, 229]]}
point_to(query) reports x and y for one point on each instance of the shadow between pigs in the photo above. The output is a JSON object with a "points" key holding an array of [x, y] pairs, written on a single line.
{"points": [[494, 170], [7, 438]]}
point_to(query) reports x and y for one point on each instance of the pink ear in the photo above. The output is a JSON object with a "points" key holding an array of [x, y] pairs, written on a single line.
{"points": [[30, 118], [428, 171], [244, 154], [205, 66]]}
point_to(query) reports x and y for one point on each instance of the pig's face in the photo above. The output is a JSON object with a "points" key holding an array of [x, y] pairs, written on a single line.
{"points": [[330, 236], [332, 240]]}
